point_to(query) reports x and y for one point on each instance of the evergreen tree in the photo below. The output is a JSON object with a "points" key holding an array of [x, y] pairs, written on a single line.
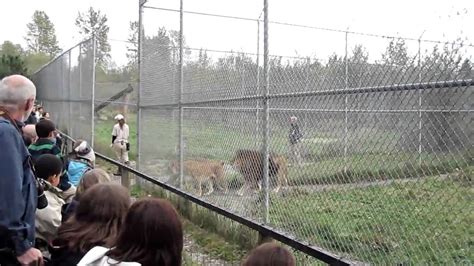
{"points": [[41, 35]]}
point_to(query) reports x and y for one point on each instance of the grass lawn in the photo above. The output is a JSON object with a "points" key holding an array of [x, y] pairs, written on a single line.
{"points": [[427, 222], [424, 222], [323, 163], [159, 142]]}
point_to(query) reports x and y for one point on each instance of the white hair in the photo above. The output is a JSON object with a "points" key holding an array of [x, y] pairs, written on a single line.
{"points": [[16, 89]]}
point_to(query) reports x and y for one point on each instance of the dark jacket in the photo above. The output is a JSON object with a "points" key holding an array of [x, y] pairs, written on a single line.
{"points": [[295, 134], [18, 194], [48, 146], [43, 146], [31, 119], [62, 256], [69, 209]]}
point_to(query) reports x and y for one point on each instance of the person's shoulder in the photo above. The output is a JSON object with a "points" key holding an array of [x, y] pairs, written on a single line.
{"points": [[6, 125], [96, 253], [7, 130], [53, 193]]}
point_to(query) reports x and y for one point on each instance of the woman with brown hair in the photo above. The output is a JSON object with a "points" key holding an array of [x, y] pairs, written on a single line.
{"points": [[151, 234], [89, 179], [96, 222], [270, 254]]}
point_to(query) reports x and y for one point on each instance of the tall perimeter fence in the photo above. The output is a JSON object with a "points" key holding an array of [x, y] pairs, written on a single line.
{"points": [[65, 86], [382, 169]]}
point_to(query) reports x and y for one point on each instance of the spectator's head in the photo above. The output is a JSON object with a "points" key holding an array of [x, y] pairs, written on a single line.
{"points": [[17, 95], [46, 115], [152, 234], [270, 254], [49, 167], [91, 178], [293, 119], [97, 219], [45, 129], [120, 119], [40, 109], [82, 150], [29, 132]]}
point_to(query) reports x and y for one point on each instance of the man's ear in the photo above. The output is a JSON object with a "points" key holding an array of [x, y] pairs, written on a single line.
{"points": [[30, 103]]}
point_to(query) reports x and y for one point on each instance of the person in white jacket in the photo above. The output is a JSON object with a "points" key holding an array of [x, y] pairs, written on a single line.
{"points": [[98, 257], [120, 134], [151, 235], [49, 168]]}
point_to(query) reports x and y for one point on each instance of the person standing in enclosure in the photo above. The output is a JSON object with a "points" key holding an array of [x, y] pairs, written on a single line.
{"points": [[120, 143], [295, 138]]}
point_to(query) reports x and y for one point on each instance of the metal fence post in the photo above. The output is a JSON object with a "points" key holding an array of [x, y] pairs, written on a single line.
{"points": [[60, 119], [266, 113], [73, 134], [420, 115], [139, 62], [306, 85], [94, 51], [180, 102], [257, 114], [69, 116], [346, 110]]}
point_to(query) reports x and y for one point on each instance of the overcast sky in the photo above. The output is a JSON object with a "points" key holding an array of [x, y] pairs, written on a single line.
{"points": [[439, 20]]}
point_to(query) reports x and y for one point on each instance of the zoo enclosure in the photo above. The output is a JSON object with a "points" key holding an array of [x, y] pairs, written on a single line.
{"points": [[377, 129], [386, 158]]}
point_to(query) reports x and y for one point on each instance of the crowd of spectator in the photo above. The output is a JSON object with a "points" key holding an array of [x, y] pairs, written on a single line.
{"points": [[59, 209]]}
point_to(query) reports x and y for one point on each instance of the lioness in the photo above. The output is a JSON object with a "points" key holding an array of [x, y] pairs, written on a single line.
{"points": [[282, 174], [203, 170]]}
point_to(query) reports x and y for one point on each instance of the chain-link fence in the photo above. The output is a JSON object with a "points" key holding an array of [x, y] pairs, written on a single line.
{"points": [[65, 88], [115, 93], [364, 152], [370, 149]]}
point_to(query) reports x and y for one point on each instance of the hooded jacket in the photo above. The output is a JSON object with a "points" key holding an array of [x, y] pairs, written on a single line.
{"points": [[49, 219]]}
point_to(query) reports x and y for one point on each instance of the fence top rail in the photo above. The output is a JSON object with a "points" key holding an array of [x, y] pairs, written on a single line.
{"points": [[394, 87], [316, 252], [59, 56], [313, 27], [237, 52]]}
